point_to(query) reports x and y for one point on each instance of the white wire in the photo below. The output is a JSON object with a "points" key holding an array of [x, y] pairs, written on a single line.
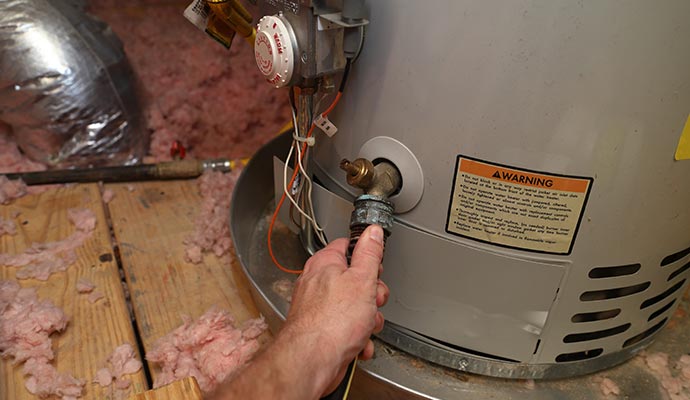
{"points": [[306, 181], [295, 141], [298, 179], [309, 184], [319, 231], [285, 184], [306, 215]]}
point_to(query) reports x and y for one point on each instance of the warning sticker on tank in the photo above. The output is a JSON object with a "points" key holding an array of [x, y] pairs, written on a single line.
{"points": [[516, 208], [683, 149]]}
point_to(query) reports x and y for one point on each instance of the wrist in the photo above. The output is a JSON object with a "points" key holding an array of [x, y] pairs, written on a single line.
{"points": [[311, 356]]}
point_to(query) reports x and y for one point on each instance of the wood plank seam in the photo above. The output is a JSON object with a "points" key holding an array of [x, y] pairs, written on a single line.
{"points": [[130, 308], [150, 224], [135, 326]]}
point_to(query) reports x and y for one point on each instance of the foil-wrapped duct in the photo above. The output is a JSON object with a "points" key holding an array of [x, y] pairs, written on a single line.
{"points": [[66, 87]]}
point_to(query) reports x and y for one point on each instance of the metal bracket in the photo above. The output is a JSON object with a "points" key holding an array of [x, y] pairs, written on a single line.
{"points": [[335, 21]]}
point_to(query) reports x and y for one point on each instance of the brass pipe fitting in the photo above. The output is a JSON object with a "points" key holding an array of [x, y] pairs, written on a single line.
{"points": [[382, 179], [360, 172]]}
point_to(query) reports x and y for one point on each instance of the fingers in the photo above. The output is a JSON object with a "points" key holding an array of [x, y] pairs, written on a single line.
{"points": [[333, 254], [367, 255], [380, 321], [368, 351], [382, 293], [338, 245]]}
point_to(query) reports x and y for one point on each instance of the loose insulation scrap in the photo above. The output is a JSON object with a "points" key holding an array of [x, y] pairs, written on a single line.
{"points": [[26, 324], [209, 349], [211, 231], [123, 361], [44, 259], [7, 227]]}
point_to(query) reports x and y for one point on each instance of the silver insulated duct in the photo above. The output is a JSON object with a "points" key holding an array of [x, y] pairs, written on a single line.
{"points": [[66, 88]]}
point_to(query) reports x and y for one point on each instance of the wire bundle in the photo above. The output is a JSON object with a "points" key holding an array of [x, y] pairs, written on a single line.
{"points": [[300, 184]]}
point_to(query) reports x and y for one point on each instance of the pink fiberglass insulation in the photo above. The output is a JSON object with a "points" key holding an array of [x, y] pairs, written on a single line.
{"points": [[214, 101], [684, 365], [95, 296], [85, 286], [45, 381], [676, 380], [11, 159], [609, 387], [7, 227], [283, 288], [123, 361], [209, 349], [11, 189], [83, 219], [43, 259], [108, 196], [26, 324], [529, 384], [211, 231], [103, 377]]}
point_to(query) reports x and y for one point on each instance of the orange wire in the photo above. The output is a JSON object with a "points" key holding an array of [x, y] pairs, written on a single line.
{"points": [[332, 106], [282, 198]]}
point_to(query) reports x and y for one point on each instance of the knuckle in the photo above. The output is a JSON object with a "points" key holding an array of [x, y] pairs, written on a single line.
{"points": [[309, 265], [328, 255], [338, 242]]}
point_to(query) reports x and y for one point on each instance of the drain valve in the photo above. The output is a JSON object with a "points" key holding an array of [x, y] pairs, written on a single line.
{"points": [[378, 182]]}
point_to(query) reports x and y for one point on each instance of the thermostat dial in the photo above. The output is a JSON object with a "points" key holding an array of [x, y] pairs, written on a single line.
{"points": [[274, 50]]}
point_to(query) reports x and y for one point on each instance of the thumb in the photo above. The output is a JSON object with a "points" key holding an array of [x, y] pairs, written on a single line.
{"points": [[368, 252]]}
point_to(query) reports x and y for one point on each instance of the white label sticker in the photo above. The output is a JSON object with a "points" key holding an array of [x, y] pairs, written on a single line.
{"points": [[325, 125], [516, 208], [197, 13]]}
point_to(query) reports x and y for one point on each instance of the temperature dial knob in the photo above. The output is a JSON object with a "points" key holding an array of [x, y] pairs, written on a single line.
{"points": [[274, 50]]}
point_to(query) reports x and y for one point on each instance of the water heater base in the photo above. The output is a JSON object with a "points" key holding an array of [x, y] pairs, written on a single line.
{"points": [[407, 374]]}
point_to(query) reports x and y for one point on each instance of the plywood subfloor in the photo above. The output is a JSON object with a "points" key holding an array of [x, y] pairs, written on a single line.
{"points": [[94, 330], [149, 224]]}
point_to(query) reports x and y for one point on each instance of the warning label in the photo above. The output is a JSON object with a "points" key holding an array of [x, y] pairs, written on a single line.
{"points": [[683, 149], [516, 208]]}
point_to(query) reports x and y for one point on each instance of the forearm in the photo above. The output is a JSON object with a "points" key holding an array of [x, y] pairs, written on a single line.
{"points": [[332, 315], [295, 366]]}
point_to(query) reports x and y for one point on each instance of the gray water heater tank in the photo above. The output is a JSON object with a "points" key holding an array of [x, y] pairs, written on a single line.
{"points": [[544, 220]]}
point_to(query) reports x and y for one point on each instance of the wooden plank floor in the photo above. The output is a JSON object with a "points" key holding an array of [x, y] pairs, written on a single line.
{"points": [[94, 330], [150, 224], [184, 389]]}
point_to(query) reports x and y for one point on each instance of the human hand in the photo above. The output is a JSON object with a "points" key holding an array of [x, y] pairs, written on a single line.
{"points": [[338, 306]]}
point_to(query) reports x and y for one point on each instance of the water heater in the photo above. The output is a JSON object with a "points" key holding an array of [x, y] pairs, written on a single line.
{"points": [[542, 226]]}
